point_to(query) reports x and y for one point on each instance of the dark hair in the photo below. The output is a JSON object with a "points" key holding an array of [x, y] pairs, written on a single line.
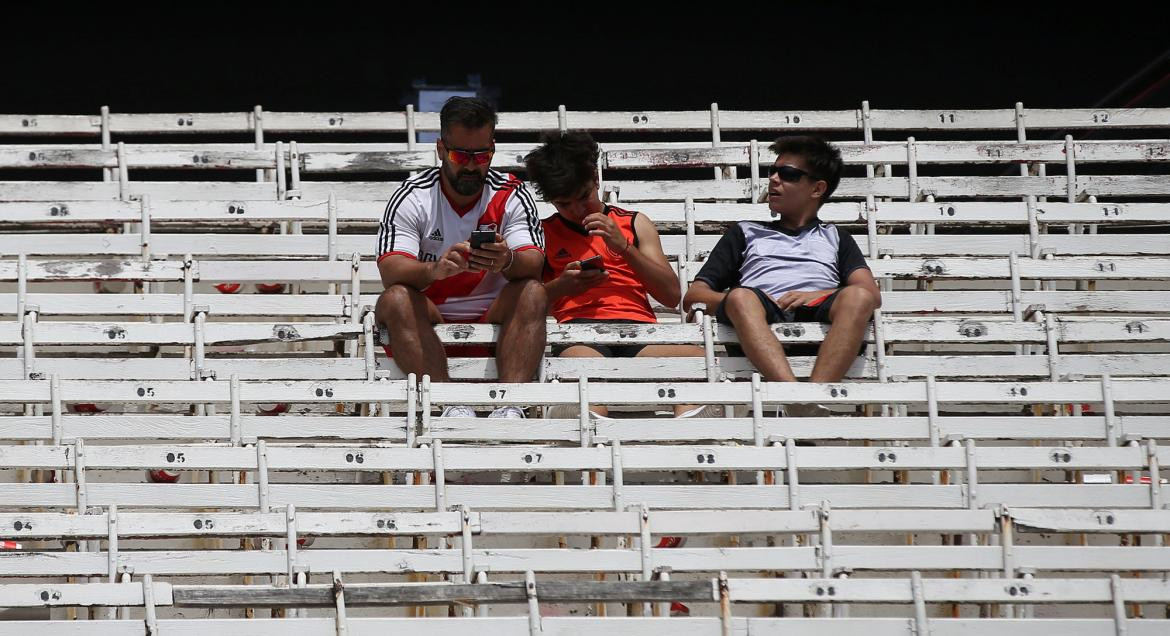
{"points": [[469, 112], [824, 161], [563, 164]]}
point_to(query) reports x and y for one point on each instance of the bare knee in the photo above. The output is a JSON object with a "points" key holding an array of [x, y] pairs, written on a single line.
{"points": [[531, 300], [740, 303], [396, 306], [854, 303]]}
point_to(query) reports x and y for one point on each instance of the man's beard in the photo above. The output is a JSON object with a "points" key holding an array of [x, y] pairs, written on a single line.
{"points": [[465, 182]]}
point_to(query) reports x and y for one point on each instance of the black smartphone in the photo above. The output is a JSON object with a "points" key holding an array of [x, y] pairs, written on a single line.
{"points": [[479, 237], [592, 264]]}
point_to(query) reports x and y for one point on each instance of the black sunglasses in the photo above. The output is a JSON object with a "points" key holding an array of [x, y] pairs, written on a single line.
{"points": [[787, 173]]}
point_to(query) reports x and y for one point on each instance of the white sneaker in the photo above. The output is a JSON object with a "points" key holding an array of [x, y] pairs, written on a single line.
{"points": [[562, 412], [806, 410], [458, 411], [708, 410], [508, 413], [570, 412]]}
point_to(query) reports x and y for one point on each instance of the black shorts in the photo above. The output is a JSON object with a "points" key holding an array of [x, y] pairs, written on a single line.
{"points": [[606, 351], [773, 314]]}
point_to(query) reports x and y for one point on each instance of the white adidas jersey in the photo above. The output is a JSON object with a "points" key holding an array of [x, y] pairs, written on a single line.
{"points": [[421, 223]]}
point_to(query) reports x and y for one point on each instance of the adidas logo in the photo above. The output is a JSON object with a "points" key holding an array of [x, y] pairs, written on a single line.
{"points": [[435, 236], [564, 253]]}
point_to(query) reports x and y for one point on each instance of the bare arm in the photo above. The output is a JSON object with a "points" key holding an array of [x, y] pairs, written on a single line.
{"points": [[398, 269], [701, 292], [649, 262], [525, 264]]}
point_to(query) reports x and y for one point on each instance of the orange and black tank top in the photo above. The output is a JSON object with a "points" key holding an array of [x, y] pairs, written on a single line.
{"points": [[622, 296]]}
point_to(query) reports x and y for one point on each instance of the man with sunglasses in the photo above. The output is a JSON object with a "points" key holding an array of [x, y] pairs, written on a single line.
{"points": [[794, 269], [433, 274]]}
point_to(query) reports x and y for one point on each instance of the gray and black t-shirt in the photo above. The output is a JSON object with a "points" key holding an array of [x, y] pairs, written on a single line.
{"points": [[775, 259]]}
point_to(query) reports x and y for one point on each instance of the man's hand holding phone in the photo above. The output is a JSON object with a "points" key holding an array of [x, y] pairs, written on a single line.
{"points": [[488, 252]]}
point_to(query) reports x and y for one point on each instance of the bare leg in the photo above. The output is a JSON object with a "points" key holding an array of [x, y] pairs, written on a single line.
{"points": [[409, 318], [583, 351], [756, 337], [673, 351], [849, 314], [520, 309]]}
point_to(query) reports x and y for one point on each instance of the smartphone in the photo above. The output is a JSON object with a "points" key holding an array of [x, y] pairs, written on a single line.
{"points": [[479, 237], [592, 264]]}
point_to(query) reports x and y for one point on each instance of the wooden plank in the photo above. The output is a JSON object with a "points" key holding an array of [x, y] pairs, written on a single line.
{"points": [[181, 122], [943, 119], [172, 304], [136, 158], [401, 161], [38, 157], [128, 333], [945, 590], [55, 270], [290, 122], [50, 124], [80, 594], [1109, 521], [1097, 118], [58, 191], [360, 594]]}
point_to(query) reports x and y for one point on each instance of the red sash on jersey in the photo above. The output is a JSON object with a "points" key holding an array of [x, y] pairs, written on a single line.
{"points": [[463, 283]]}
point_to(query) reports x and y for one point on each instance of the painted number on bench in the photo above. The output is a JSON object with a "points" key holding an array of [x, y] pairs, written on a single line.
{"points": [[946, 118], [1111, 210], [323, 391], [355, 458], [186, 120], [1105, 517], [497, 394], [145, 391], [792, 119], [532, 458], [22, 525], [336, 121], [203, 524], [667, 392], [1101, 117], [641, 118], [708, 458], [176, 457]]}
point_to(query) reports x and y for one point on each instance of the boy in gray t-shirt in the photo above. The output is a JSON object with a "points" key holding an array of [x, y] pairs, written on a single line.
{"points": [[795, 269]]}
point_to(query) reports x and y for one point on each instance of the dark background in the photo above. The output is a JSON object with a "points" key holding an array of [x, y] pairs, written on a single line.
{"points": [[354, 57]]}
